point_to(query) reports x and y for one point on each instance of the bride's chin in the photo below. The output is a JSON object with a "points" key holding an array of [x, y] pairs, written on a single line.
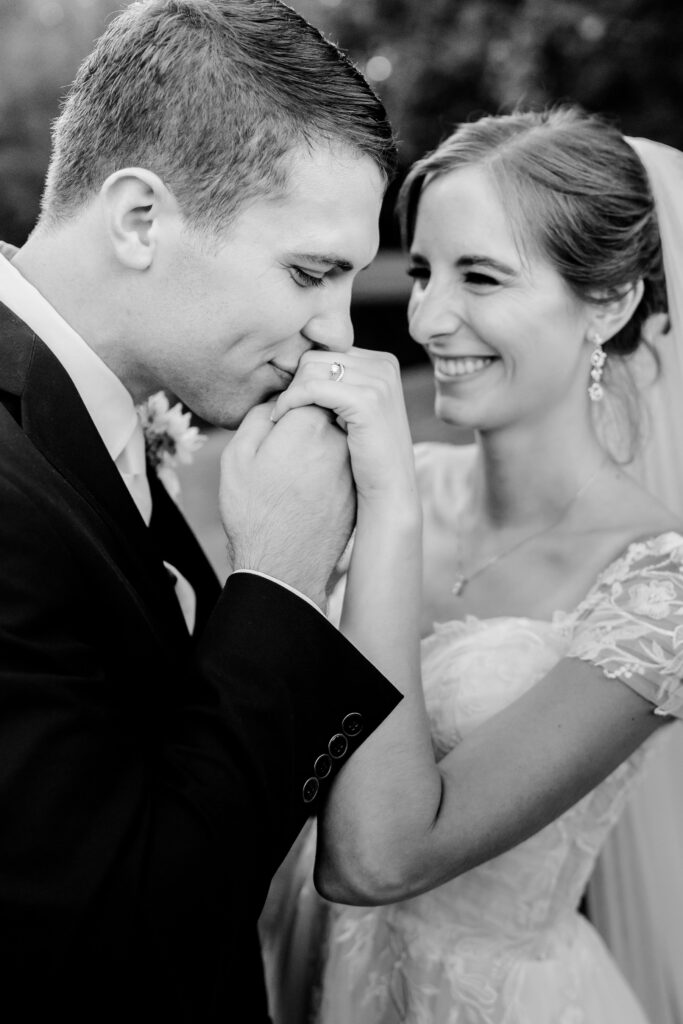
{"points": [[456, 413]]}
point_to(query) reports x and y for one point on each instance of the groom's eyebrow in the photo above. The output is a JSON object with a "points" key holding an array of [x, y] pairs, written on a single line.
{"points": [[324, 260]]}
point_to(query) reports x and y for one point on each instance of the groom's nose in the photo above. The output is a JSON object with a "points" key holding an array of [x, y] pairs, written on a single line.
{"points": [[332, 327]]}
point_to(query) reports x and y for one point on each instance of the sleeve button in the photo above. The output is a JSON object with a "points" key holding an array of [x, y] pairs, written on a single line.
{"points": [[338, 745], [322, 766], [310, 790], [353, 723]]}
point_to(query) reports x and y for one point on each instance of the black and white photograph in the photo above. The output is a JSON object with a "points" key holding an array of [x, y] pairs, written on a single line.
{"points": [[341, 511]]}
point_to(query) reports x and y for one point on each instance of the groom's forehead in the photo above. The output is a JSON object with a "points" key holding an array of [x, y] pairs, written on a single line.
{"points": [[317, 165], [328, 213]]}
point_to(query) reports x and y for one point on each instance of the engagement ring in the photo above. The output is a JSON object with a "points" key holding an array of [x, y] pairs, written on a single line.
{"points": [[337, 371]]}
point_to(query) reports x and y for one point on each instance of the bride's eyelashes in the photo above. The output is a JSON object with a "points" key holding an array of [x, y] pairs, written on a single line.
{"points": [[471, 277], [478, 279], [306, 280]]}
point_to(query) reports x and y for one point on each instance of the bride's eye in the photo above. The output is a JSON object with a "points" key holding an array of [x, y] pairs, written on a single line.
{"points": [[476, 278], [306, 280]]}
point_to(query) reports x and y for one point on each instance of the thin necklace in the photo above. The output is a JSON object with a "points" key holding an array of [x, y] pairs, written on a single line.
{"points": [[461, 579]]}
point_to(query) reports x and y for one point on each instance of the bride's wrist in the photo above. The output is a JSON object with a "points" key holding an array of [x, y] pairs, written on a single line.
{"points": [[388, 534], [400, 514]]}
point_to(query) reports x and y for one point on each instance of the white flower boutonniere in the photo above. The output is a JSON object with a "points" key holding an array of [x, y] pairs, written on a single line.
{"points": [[169, 439]]}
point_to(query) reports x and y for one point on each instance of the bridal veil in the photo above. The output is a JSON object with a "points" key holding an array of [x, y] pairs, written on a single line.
{"points": [[636, 895]]}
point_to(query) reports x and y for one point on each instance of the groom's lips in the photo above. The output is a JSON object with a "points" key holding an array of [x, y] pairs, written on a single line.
{"points": [[285, 374]]}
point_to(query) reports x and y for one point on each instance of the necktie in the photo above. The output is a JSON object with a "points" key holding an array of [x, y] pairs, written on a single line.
{"points": [[132, 467]]}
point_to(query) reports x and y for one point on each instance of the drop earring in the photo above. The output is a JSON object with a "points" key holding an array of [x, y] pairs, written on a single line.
{"points": [[598, 358]]}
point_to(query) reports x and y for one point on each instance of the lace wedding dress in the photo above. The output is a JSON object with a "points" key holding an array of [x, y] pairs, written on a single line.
{"points": [[504, 942]]}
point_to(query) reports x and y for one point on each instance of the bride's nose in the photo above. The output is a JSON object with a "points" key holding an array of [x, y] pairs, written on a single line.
{"points": [[433, 313]]}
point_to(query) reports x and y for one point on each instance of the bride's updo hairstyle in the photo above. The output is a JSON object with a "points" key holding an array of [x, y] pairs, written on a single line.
{"points": [[577, 193]]}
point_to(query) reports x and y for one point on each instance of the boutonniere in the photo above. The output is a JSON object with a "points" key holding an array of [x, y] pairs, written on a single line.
{"points": [[169, 439]]}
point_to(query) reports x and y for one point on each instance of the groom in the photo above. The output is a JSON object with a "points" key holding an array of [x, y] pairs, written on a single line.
{"points": [[215, 183]]}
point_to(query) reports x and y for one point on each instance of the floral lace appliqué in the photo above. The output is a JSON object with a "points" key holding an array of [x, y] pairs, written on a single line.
{"points": [[631, 624]]}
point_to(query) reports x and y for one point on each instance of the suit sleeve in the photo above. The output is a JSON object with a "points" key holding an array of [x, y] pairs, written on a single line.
{"points": [[146, 798], [332, 697]]}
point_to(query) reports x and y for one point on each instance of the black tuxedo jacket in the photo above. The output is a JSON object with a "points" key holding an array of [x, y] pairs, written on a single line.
{"points": [[150, 782]]}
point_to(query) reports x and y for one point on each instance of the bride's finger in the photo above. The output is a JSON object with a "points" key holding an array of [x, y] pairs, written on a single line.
{"points": [[337, 365], [342, 398], [374, 373]]}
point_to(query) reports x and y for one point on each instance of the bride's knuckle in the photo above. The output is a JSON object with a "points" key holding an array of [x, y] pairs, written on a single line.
{"points": [[372, 398]]}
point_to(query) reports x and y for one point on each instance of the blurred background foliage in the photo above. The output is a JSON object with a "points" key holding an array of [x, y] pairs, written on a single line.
{"points": [[438, 62], [434, 62]]}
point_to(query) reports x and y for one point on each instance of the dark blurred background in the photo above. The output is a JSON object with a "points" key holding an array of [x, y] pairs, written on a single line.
{"points": [[434, 62]]}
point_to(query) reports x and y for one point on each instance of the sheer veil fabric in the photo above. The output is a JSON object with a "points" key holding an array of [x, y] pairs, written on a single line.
{"points": [[635, 897]]}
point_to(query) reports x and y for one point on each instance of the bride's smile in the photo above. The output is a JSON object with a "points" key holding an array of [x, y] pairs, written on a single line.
{"points": [[448, 368]]}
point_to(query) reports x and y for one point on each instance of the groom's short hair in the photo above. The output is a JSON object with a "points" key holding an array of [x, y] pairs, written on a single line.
{"points": [[210, 95]]}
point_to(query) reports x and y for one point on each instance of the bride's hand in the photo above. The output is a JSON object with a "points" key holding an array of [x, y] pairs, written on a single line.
{"points": [[367, 400]]}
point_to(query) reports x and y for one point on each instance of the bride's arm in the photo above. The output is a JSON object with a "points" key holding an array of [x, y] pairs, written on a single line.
{"points": [[395, 823]]}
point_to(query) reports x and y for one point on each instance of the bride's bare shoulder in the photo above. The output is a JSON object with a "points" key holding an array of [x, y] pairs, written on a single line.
{"points": [[623, 514]]}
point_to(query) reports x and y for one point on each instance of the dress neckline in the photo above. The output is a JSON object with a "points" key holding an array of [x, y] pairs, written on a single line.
{"points": [[561, 618]]}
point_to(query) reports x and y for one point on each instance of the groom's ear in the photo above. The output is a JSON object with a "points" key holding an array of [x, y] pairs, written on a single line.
{"points": [[133, 202]]}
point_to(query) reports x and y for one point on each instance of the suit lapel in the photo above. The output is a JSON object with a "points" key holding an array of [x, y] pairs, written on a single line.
{"points": [[56, 421]]}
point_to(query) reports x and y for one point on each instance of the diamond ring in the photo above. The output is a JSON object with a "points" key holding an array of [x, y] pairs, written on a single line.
{"points": [[337, 371]]}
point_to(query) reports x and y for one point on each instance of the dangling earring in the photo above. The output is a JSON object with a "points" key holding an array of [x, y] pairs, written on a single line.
{"points": [[598, 357]]}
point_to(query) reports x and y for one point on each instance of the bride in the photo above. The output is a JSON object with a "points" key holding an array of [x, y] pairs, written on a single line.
{"points": [[551, 596]]}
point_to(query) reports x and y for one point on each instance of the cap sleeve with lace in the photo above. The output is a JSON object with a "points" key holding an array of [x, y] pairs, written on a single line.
{"points": [[631, 622]]}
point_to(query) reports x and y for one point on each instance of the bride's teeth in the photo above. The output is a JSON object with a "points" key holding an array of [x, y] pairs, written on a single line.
{"points": [[462, 366]]}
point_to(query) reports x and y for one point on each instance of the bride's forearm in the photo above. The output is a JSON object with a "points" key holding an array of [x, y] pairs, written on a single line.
{"points": [[389, 792], [380, 613]]}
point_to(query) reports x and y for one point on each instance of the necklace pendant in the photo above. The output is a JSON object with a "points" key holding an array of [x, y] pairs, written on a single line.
{"points": [[458, 584]]}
